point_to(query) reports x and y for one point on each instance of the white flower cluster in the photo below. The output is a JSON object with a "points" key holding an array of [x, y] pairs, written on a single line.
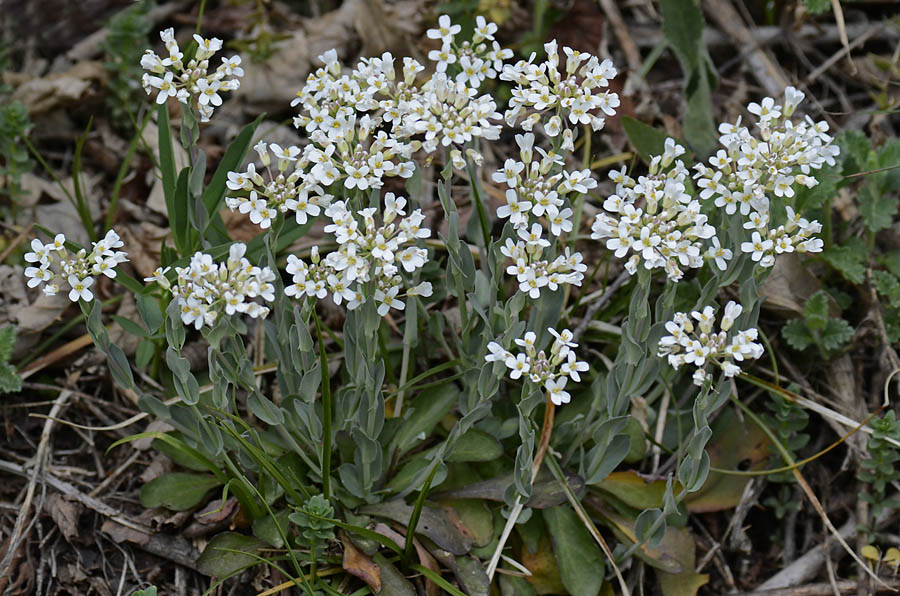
{"points": [[476, 60], [533, 271], [667, 231], [578, 95], [444, 110], [204, 289], [78, 270], [700, 346], [532, 191], [284, 191], [171, 77], [368, 260], [552, 372], [751, 168]]}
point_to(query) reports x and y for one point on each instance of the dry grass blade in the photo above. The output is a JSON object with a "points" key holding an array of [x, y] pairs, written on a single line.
{"points": [[56, 355], [842, 28]]}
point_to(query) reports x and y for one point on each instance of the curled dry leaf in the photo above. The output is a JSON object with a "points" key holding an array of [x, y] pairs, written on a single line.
{"points": [[359, 564], [60, 89], [65, 513]]}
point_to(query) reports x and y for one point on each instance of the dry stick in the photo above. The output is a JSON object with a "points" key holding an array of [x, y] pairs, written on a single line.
{"points": [[844, 51], [56, 355], [660, 429], [18, 240], [544, 443], [39, 462], [632, 54], [821, 589], [766, 71], [806, 567], [842, 28], [598, 304], [807, 489]]}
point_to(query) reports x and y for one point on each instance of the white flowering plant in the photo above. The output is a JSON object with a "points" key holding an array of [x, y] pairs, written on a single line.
{"points": [[404, 343]]}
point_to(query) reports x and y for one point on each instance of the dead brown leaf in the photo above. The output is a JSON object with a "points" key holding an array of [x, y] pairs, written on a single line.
{"points": [[65, 513], [60, 89], [120, 533], [359, 564]]}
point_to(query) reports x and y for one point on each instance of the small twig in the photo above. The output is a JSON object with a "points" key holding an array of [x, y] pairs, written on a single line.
{"points": [[626, 42], [40, 459], [599, 303], [661, 415], [842, 29], [844, 51]]}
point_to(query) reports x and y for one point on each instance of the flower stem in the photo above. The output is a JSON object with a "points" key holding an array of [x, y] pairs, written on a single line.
{"points": [[543, 446], [326, 412]]}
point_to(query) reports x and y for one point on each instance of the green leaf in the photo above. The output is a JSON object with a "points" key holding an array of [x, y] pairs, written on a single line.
{"points": [[887, 285], [683, 29], [848, 259], [10, 382], [817, 6], [816, 311], [180, 453], [427, 410], [130, 326], [891, 261], [166, 158], [7, 342], [646, 140], [581, 564], [263, 408], [151, 591], [699, 128], [178, 491], [475, 445], [796, 334], [889, 157], [229, 553], [148, 308], [876, 207], [837, 332], [855, 148], [179, 220]]}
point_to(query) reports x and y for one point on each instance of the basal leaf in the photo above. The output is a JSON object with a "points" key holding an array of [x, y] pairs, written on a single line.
{"points": [[427, 409], [816, 310], [877, 207], [796, 334], [219, 558], [848, 259], [837, 332], [177, 491], [887, 285], [581, 563], [475, 445]]}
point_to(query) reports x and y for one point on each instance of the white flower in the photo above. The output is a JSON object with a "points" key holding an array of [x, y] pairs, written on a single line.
{"points": [[555, 389], [445, 30], [80, 288], [685, 346]]}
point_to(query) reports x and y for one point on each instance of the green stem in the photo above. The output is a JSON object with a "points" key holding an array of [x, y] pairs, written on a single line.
{"points": [[200, 12], [326, 412], [408, 332], [479, 205]]}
